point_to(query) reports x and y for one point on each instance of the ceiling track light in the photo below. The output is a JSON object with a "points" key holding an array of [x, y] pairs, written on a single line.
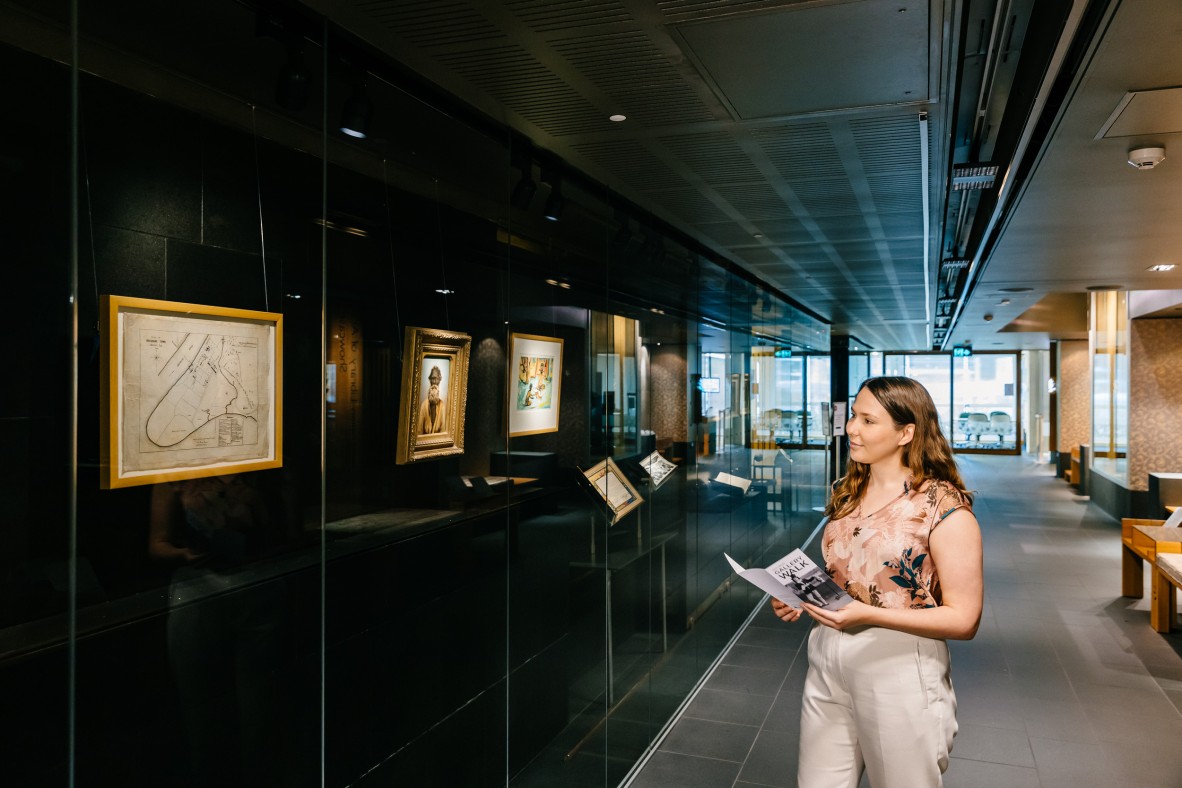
{"points": [[554, 202], [357, 112], [523, 192], [294, 81], [623, 235], [653, 250], [554, 205]]}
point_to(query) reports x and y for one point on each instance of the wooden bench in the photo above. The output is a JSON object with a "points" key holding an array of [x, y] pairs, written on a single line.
{"points": [[1143, 540], [1165, 578]]}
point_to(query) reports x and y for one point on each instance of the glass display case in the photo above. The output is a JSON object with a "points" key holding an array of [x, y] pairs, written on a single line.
{"points": [[422, 565]]}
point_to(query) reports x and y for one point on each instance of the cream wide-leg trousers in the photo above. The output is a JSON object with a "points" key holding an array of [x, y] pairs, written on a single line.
{"points": [[876, 699]]}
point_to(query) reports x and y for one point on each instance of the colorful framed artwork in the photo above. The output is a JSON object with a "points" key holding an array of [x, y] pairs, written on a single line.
{"points": [[434, 394], [535, 384], [187, 391], [610, 483]]}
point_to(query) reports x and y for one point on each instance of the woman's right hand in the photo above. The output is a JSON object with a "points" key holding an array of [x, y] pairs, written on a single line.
{"points": [[785, 612]]}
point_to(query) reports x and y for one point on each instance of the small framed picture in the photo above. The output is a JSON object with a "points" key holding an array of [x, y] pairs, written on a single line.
{"points": [[535, 384], [187, 391], [434, 394], [610, 483]]}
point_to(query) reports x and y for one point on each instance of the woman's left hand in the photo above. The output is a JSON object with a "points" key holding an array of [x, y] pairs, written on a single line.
{"points": [[851, 615]]}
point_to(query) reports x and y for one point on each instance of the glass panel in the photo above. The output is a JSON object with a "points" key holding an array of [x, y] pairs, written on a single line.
{"points": [[716, 397], [1036, 422], [1110, 378], [986, 402], [934, 371], [859, 371], [226, 622], [1120, 408], [36, 415], [198, 658], [818, 400], [790, 389]]}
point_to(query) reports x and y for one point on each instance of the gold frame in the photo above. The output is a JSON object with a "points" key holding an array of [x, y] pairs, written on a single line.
{"points": [[525, 422], [118, 466], [608, 471], [454, 348]]}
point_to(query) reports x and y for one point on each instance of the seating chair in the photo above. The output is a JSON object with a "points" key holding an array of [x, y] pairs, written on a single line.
{"points": [[978, 425], [792, 423], [1001, 423]]}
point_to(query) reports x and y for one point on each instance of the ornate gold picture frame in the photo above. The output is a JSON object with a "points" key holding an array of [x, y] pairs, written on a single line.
{"points": [[187, 390], [434, 394]]}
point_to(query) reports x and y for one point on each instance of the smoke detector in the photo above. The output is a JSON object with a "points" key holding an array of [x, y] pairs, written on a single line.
{"points": [[1146, 158]]}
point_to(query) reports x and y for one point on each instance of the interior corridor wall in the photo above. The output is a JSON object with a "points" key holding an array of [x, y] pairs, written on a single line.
{"points": [[1074, 395], [1155, 399]]}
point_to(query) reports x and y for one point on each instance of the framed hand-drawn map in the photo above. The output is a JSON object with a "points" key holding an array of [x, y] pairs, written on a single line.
{"points": [[187, 391]]}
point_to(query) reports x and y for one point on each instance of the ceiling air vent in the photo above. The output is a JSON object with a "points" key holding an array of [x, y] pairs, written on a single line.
{"points": [[973, 176]]}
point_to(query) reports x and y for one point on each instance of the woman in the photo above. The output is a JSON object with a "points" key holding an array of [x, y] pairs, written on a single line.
{"points": [[903, 542]]}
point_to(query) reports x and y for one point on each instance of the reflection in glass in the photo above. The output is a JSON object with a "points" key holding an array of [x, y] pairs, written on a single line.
{"points": [[1108, 336], [986, 402], [934, 371], [817, 412]]}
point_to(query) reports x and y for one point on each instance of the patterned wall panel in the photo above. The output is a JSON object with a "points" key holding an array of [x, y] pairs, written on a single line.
{"points": [[1155, 399], [667, 387], [1075, 394]]}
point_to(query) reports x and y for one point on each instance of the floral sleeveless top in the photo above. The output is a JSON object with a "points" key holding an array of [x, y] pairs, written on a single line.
{"points": [[882, 558]]}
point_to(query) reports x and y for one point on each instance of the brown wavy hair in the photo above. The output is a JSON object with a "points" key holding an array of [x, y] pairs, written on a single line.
{"points": [[928, 455]]}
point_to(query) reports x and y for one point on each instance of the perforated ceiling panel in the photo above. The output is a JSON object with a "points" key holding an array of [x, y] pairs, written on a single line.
{"points": [[826, 207]]}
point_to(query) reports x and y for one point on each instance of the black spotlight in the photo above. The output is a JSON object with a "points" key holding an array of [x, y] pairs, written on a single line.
{"points": [[653, 250], [357, 113], [523, 192], [554, 203], [294, 82], [623, 236]]}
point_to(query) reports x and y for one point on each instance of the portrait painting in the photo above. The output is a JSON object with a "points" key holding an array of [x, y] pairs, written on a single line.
{"points": [[535, 384], [433, 385], [434, 394]]}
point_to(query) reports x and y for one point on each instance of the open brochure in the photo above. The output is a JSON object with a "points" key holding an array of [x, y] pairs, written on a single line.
{"points": [[793, 578], [657, 468], [737, 482]]}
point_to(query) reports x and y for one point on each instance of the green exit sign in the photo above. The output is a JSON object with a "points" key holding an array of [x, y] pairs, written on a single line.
{"points": [[783, 352], [961, 352]]}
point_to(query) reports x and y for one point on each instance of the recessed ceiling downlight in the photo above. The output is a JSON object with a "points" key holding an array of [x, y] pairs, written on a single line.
{"points": [[617, 118], [1161, 267], [1102, 288], [1015, 289]]}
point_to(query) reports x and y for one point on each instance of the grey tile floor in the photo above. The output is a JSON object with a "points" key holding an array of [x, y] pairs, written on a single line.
{"points": [[1065, 684]]}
